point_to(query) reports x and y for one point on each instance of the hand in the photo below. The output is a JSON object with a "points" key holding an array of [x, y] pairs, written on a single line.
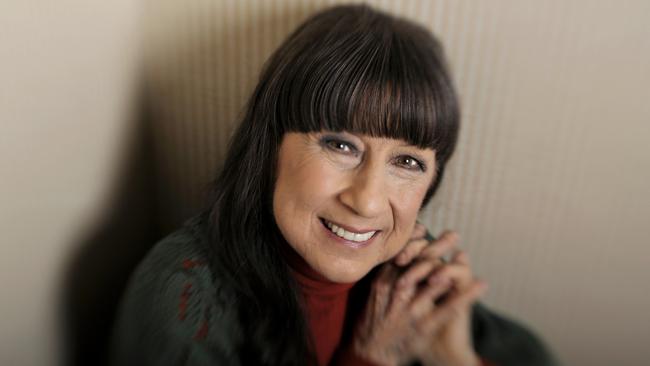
{"points": [[452, 343], [400, 323], [395, 327]]}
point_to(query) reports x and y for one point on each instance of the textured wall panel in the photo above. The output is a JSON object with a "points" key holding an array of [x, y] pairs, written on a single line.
{"points": [[549, 187]]}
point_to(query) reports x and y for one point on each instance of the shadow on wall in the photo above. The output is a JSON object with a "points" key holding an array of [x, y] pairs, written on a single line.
{"points": [[97, 272], [143, 206]]}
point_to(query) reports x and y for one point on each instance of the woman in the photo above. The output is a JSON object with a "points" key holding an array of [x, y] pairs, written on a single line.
{"points": [[309, 253]]}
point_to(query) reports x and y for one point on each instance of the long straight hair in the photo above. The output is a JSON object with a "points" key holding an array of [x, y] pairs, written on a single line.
{"points": [[348, 68]]}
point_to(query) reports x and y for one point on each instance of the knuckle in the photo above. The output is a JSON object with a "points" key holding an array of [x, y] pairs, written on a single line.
{"points": [[453, 236], [431, 250], [410, 249], [416, 246], [463, 256], [448, 235]]}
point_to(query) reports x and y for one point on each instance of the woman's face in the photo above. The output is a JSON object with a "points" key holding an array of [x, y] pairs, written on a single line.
{"points": [[367, 189]]}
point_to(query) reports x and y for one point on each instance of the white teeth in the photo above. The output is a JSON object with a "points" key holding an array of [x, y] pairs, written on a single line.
{"points": [[347, 235]]}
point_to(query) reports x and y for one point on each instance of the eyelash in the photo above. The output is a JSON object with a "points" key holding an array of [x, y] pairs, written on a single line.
{"points": [[420, 166], [334, 144]]}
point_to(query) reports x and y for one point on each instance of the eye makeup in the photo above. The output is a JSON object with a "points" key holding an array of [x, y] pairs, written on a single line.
{"points": [[404, 157], [419, 164], [339, 145]]}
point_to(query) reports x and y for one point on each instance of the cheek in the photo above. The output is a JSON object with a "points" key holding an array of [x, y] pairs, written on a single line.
{"points": [[303, 188], [405, 205], [408, 205]]}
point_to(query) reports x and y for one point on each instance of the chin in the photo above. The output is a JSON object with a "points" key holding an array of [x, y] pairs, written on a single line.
{"points": [[344, 275]]}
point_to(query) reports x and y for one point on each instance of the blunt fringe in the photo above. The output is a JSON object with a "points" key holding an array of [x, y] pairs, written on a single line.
{"points": [[349, 68]]}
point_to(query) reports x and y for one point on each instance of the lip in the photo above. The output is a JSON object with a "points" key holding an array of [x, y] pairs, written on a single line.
{"points": [[349, 228], [347, 243]]}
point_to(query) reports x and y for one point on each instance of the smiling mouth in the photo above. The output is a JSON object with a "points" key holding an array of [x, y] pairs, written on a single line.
{"points": [[346, 234]]}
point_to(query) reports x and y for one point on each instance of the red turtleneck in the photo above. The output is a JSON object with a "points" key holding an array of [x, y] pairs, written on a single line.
{"points": [[326, 304]]}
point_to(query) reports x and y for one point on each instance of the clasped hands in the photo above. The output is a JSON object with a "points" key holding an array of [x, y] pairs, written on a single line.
{"points": [[419, 307]]}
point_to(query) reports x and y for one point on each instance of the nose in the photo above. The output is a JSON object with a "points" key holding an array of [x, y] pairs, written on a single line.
{"points": [[366, 193]]}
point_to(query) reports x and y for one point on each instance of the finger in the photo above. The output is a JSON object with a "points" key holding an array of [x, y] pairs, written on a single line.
{"points": [[410, 251], [447, 242], [454, 306], [461, 257], [380, 291], [406, 285], [400, 298], [423, 302], [385, 273], [460, 274], [419, 231], [416, 273]]}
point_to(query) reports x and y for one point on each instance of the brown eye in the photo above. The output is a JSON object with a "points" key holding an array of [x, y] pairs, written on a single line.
{"points": [[340, 146], [410, 163]]}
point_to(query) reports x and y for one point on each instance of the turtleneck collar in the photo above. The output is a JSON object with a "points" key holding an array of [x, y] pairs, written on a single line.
{"points": [[310, 281], [325, 304]]}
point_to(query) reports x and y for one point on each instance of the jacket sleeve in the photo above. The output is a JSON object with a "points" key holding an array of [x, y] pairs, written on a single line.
{"points": [[169, 314], [504, 342]]}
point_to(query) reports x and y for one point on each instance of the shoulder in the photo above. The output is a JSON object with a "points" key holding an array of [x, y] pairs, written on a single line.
{"points": [[505, 341], [174, 310]]}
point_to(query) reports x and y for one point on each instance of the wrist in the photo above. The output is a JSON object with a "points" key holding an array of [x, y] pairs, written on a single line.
{"points": [[377, 357], [468, 359], [456, 359]]}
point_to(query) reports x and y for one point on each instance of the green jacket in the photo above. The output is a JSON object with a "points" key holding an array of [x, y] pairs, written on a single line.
{"points": [[174, 313]]}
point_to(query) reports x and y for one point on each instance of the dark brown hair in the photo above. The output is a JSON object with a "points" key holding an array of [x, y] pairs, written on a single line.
{"points": [[347, 68]]}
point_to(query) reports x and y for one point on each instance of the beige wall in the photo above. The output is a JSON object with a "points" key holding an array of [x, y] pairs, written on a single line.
{"points": [[549, 188], [67, 72]]}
